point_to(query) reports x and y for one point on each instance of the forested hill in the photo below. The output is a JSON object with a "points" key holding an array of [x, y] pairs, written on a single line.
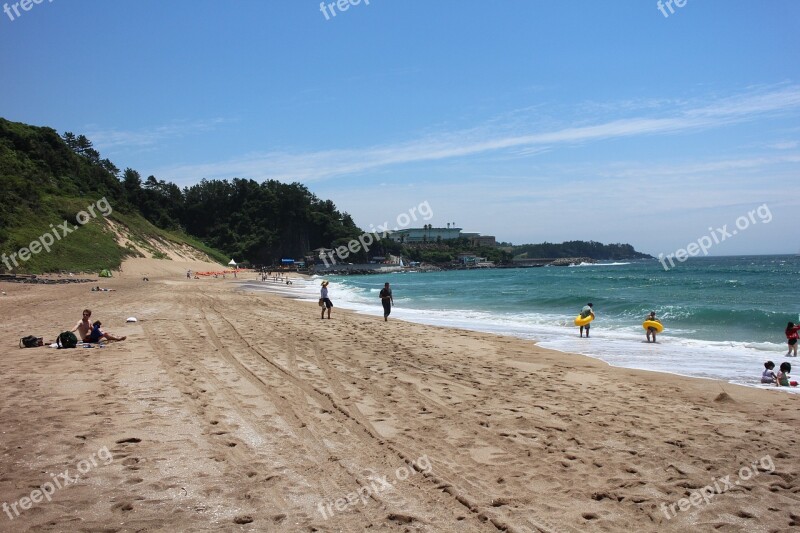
{"points": [[46, 179], [592, 249], [257, 222]]}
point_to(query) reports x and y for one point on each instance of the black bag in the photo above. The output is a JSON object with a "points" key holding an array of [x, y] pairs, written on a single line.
{"points": [[67, 340], [30, 342]]}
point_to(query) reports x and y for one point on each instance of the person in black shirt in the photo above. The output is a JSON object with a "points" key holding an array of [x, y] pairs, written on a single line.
{"points": [[387, 301]]}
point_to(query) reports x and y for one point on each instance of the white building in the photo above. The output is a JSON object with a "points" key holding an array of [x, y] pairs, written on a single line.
{"points": [[425, 234]]}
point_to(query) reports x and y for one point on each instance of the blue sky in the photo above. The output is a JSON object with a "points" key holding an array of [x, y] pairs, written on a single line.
{"points": [[530, 121]]}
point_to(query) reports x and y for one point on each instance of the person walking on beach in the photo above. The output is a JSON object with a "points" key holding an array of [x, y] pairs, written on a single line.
{"points": [[791, 338], [587, 310], [651, 330], [387, 300], [327, 304]]}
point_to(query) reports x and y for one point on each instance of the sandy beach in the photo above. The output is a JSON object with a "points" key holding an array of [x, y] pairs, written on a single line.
{"points": [[227, 410]]}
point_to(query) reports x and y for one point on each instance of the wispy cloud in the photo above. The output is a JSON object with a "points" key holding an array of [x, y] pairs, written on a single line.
{"points": [[784, 145], [320, 165], [110, 139]]}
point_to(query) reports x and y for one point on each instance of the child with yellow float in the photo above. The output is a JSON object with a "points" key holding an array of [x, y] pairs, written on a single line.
{"points": [[651, 324]]}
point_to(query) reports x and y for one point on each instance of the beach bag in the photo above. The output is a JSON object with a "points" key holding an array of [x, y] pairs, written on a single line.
{"points": [[67, 340], [321, 302], [30, 342]]}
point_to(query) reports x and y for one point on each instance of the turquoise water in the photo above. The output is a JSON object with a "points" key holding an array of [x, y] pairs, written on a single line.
{"points": [[747, 299], [724, 316]]}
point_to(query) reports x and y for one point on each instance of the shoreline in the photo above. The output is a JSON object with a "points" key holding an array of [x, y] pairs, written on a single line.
{"points": [[527, 336], [286, 414]]}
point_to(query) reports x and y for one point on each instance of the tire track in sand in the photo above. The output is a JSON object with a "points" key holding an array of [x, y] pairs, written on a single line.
{"points": [[365, 434], [485, 515]]}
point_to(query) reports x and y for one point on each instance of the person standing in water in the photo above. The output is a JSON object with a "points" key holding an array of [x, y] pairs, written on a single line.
{"points": [[587, 310], [651, 330], [791, 338], [387, 300]]}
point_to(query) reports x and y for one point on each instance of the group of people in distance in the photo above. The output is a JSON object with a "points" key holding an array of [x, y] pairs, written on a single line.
{"points": [[781, 379], [588, 310], [387, 300], [91, 331]]}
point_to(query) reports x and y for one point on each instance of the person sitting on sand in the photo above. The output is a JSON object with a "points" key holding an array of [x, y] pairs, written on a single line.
{"points": [[768, 376], [84, 327], [791, 338], [651, 330], [783, 378], [97, 334], [587, 310]]}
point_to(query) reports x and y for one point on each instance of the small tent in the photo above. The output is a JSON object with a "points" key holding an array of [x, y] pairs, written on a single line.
{"points": [[105, 273], [232, 263]]}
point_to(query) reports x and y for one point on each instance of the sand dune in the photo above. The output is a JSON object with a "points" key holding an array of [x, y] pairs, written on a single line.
{"points": [[235, 411]]}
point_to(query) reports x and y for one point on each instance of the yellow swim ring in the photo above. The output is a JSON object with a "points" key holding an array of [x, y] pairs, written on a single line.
{"points": [[658, 326]]}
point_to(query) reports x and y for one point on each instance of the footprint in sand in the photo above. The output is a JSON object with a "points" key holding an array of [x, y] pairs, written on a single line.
{"points": [[131, 463], [122, 506]]}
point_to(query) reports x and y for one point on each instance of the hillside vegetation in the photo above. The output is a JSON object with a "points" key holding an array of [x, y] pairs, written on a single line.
{"points": [[47, 180], [591, 249]]}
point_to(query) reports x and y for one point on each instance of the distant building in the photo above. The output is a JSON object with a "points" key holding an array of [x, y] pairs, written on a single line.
{"points": [[484, 240], [450, 233], [319, 255], [416, 235], [472, 260], [476, 239]]}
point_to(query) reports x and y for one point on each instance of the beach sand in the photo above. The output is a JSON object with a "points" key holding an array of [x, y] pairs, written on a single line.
{"points": [[233, 411]]}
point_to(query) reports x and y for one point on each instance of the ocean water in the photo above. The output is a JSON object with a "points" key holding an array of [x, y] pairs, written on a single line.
{"points": [[724, 316]]}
